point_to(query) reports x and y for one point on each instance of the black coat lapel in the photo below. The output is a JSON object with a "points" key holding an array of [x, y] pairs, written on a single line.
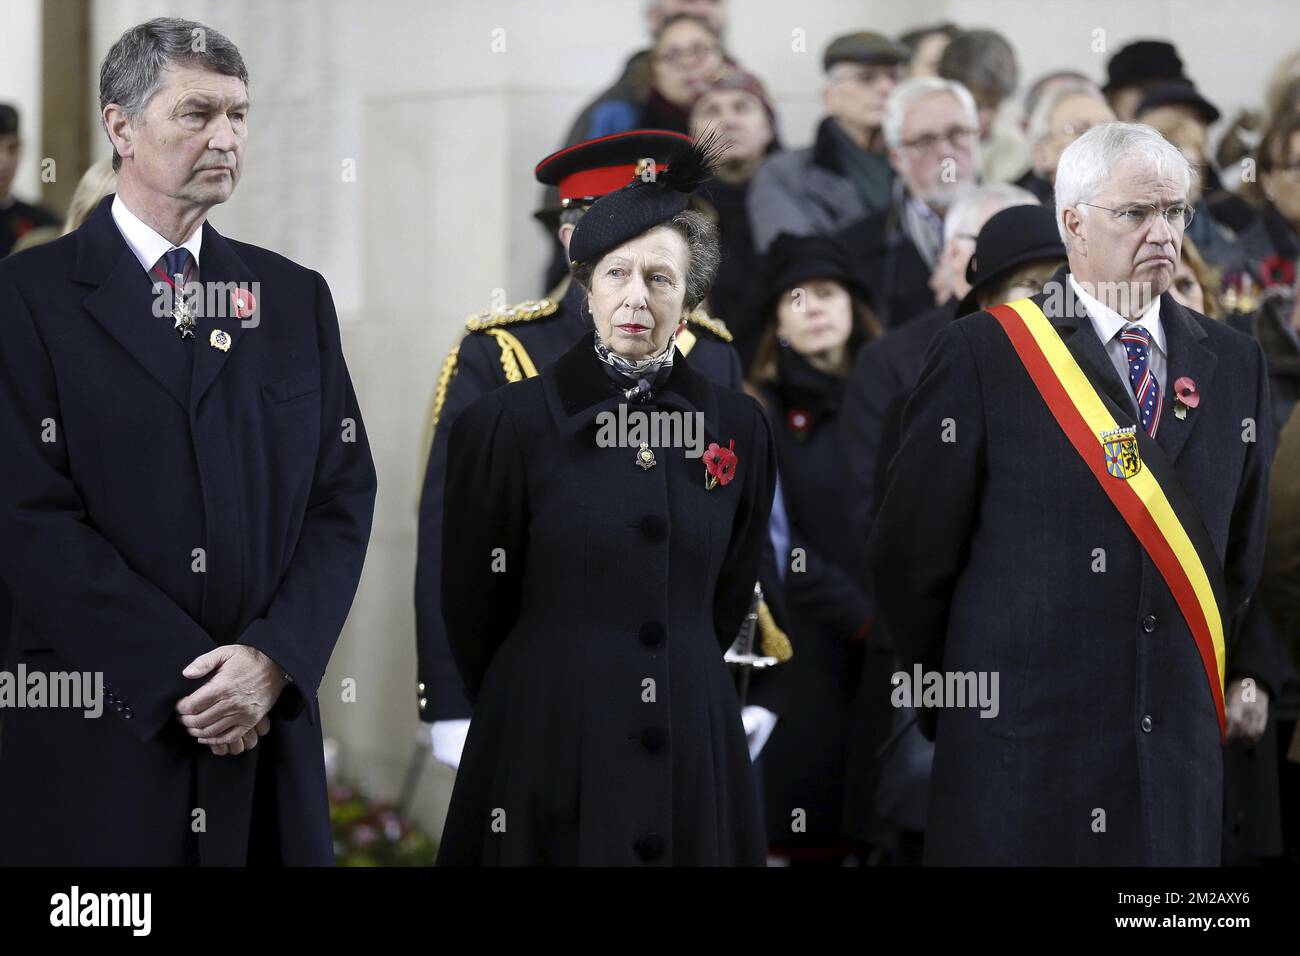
{"points": [[1188, 357], [123, 299], [221, 272]]}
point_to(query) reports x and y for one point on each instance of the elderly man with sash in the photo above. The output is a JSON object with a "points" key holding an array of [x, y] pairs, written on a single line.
{"points": [[1074, 520]]}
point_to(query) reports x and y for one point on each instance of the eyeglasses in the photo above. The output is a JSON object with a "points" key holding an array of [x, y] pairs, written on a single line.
{"points": [[958, 137], [1138, 216], [679, 56]]}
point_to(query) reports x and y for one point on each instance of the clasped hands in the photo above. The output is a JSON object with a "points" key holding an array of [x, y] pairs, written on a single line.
{"points": [[228, 713]]}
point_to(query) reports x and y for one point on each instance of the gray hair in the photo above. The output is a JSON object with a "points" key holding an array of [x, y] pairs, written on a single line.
{"points": [[1045, 83], [1086, 163], [981, 60], [973, 208], [1040, 120], [132, 71], [703, 256], [908, 92]]}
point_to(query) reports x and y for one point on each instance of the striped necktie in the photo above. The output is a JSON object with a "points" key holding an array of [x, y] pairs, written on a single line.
{"points": [[1137, 343]]}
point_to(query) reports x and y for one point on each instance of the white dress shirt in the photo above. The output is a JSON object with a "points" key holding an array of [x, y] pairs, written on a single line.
{"points": [[1108, 324], [145, 244]]}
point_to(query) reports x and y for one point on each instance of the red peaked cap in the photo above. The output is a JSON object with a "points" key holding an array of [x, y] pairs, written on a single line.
{"points": [[589, 170], [646, 201]]}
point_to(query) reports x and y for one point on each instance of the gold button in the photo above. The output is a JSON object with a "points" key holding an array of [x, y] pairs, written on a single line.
{"points": [[423, 703], [420, 687]]}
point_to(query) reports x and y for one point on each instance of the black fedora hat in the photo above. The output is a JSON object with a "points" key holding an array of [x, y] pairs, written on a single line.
{"points": [[1178, 93], [1141, 63], [1008, 240], [793, 259]]}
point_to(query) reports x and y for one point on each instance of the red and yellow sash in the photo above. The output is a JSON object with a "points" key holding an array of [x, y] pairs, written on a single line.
{"points": [[1175, 544]]}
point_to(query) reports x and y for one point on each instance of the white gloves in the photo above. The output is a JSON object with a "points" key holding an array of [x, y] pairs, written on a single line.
{"points": [[758, 723], [448, 737]]}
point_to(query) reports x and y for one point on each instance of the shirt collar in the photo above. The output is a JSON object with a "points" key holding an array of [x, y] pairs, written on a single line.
{"points": [[1108, 323], [145, 244]]}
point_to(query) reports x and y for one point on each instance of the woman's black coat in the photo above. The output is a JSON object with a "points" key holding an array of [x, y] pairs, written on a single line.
{"points": [[588, 603], [827, 609]]}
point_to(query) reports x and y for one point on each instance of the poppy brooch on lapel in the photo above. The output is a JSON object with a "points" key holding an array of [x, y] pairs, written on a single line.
{"points": [[719, 465], [242, 303], [799, 422], [1185, 396]]}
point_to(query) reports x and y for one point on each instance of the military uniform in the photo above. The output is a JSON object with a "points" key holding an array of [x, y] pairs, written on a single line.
{"points": [[509, 345]]}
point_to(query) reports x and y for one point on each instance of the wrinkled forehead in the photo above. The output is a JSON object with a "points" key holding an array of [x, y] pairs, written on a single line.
{"points": [[935, 112], [660, 247], [182, 80], [1135, 181]]}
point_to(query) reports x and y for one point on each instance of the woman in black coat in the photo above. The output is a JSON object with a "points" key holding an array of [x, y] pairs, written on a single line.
{"points": [[591, 583], [815, 318]]}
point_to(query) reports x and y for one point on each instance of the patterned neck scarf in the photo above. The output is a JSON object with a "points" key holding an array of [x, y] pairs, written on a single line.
{"points": [[637, 380]]}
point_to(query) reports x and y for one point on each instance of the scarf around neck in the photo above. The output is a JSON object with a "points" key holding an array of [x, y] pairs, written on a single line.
{"points": [[637, 380]]}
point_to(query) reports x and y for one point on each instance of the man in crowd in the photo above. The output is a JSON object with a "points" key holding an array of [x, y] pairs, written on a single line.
{"points": [[17, 218], [845, 175], [984, 62], [932, 129], [1067, 110]]}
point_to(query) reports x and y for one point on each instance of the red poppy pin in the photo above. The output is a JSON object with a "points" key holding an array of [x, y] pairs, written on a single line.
{"points": [[242, 303], [719, 464], [1276, 270], [1185, 396], [798, 421]]}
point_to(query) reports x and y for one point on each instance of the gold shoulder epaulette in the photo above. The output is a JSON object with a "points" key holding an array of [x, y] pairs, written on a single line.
{"points": [[716, 326], [523, 312]]}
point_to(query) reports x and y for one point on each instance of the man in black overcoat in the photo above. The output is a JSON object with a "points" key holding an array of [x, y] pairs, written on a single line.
{"points": [[998, 551], [187, 493]]}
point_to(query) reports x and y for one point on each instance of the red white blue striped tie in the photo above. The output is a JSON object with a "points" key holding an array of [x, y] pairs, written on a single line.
{"points": [[1137, 343]]}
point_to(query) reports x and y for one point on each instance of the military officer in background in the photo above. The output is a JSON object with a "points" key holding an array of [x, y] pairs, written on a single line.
{"points": [[509, 345]]}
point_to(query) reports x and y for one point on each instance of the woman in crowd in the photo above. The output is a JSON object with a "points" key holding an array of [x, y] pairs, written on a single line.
{"points": [[687, 55], [815, 319], [1272, 243]]}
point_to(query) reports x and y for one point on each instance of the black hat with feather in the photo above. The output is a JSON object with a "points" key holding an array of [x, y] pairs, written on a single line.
{"points": [[654, 196]]}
